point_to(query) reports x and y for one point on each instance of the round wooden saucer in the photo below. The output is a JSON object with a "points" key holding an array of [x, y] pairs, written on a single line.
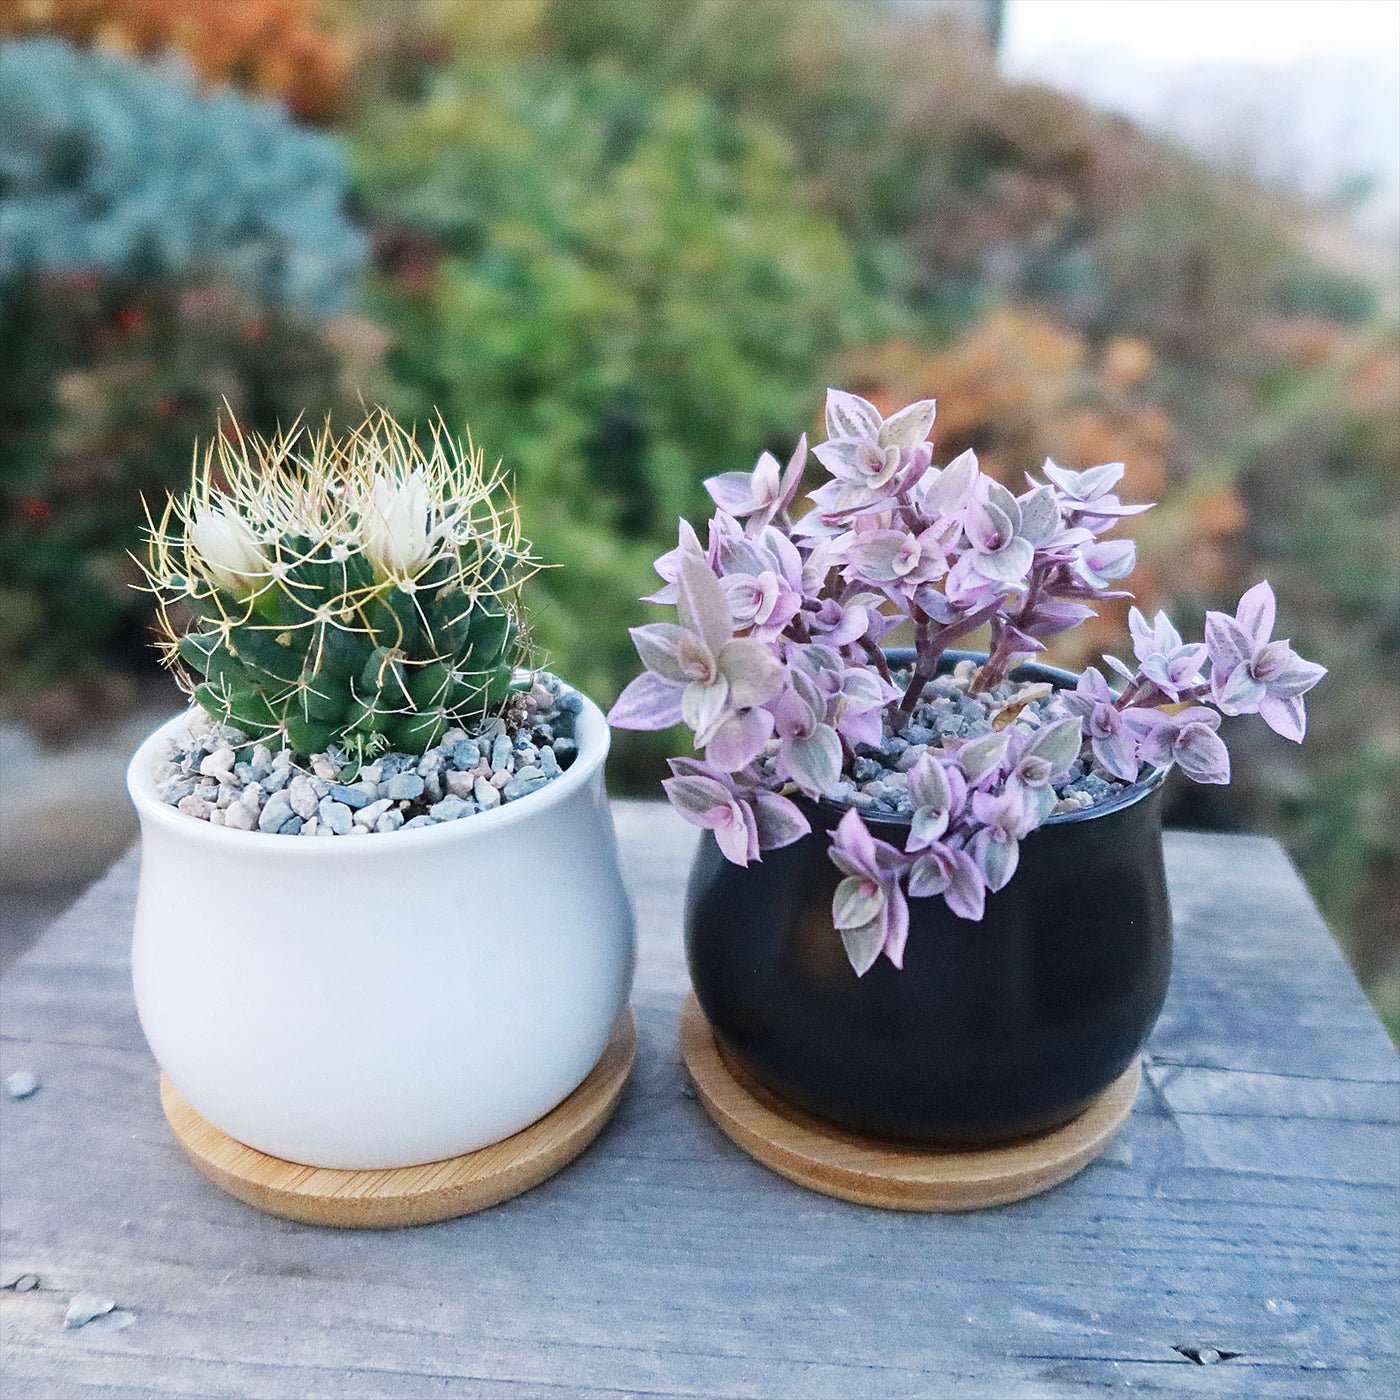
{"points": [[875, 1173], [386, 1199]]}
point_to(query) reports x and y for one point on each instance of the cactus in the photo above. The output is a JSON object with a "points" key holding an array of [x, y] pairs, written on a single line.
{"points": [[358, 593]]}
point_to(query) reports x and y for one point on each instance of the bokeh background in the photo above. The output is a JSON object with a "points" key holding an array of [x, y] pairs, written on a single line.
{"points": [[631, 241]]}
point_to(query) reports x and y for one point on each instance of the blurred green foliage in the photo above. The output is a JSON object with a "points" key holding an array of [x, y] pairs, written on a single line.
{"points": [[627, 294], [104, 387]]}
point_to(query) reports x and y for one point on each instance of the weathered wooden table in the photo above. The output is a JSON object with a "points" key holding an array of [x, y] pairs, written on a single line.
{"points": [[1247, 1210]]}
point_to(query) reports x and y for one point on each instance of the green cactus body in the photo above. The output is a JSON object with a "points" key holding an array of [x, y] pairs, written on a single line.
{"points": [[362, 593]]}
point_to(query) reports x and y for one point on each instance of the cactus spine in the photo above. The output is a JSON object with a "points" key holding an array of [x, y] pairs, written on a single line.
{"points": [[359, 592]]}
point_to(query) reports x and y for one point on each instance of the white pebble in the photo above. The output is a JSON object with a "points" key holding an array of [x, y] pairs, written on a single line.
{"points": [[21, 1084], [218, 765], [308, 827], [302, 795], [86, 1306], [195, 806], [367, 816], [243, 815]]}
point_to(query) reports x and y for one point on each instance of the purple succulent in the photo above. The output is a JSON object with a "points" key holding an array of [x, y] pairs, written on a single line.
{"points": [[774, 663], [1002, 818], [1163, 658], [1250, 674], [700, 673], [762, 493], [1113, 743], [868, 909], [1187, 739]]}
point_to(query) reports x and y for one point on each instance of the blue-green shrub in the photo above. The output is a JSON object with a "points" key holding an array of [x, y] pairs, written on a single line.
{"points": [[123, 167]]}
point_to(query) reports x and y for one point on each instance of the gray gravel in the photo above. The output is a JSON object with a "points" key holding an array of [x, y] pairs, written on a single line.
{"points": [[213, 773]]}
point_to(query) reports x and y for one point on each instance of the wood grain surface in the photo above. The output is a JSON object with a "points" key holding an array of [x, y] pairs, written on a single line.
{"points": [[421, 1195], [823, 1158], [1245, 1210]]}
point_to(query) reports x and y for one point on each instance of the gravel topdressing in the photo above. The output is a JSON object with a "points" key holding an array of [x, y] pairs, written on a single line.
{"points": [[878, 783], [214, 773]]}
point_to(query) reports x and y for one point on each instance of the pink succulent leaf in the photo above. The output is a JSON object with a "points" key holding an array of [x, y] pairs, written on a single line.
{"points": [[1228, 644], [1051, 616], [864, 691], [703, 706], [737, 835], [780, 821], [739, 739], [754, 674], [1165, 660], [795, 710], [1285, 715], [1058, 744], [860, 727], [872, 555], [1089, 694], [791, 481], [863, 945], [661, 646], [853, 848], [1256, 613], [1004, 814], [954, 874], [850, 416], [1121, 667], [783, 556], [697, 768], [649, 702], [858, 901], [700, 603], [739, 555], [1010, 563], [929, 786], [979, 757], [930, 874], [1284, 672], [852, 624], [951, 489], [909, 427], [696, 797], [1040, 516], [813, 762], [1101, 562], [996, 858], [1236, 691], [1154, 734], [1086, 485], [896, 924], [926, 826], [734, 491], [1117, 753], [1201, 754]]}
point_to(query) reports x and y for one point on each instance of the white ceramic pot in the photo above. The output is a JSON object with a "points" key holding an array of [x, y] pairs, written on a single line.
{"points": [[388, 999]]}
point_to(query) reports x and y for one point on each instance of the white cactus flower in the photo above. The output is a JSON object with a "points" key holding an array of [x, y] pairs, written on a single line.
{"points": [[228, 550], [396, 525]]}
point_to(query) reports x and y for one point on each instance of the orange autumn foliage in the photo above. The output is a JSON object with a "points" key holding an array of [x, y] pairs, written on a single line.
{"points": [[276, 48]]}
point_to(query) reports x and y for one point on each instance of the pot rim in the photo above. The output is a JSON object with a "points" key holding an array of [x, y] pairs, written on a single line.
{"points": [[1130, 795], [594, 741]]}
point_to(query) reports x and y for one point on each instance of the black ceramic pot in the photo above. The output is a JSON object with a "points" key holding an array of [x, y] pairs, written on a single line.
{"points": [[993, 1030]]}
